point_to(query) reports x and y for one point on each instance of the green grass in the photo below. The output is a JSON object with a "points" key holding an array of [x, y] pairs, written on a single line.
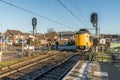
{"points": [[8, 63], [105, 56]]}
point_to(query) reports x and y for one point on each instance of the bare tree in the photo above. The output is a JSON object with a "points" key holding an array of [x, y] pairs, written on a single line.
{"points": [[50, 30], [51, 37], [51, 34]]}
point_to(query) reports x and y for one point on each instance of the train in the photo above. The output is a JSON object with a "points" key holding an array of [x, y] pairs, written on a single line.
{"points": [[83, 40]]}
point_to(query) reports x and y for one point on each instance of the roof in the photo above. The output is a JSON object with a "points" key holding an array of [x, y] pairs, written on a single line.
{"points": [[13, 32], [82, 31]]}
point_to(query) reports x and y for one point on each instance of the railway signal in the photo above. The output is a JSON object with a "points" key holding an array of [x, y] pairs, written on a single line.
{"points": [[94, 19], [34, 23]]}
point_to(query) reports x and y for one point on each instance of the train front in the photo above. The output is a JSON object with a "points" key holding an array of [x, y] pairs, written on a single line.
{"points": [[84, 40]]}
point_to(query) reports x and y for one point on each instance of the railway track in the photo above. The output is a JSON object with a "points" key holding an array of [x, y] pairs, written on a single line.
{"points": [[58, 71], [22, 65], [28, 72], [61, 69], [78, 72]]}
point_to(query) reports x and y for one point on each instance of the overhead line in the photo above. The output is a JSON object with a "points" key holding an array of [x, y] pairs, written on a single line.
{"points": [[51, 10], [35, 14], [80, 11], [76, 7], [72, 13]]}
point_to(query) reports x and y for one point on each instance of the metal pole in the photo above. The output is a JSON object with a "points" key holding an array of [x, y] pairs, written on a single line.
{"points": [[96, 47], [6, 42], [33, 31], [33, 38], [1, 42], [1, 47], [0, 58], [96, 26], [102, 52], [33, 35], [96, 31], [22, 46]]}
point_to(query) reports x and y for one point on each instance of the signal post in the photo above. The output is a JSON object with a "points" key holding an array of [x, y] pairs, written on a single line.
{"points": [[94, 21], [34, 23]]}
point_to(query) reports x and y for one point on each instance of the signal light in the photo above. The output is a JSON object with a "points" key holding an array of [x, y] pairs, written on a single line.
{"points": [[94, 18], [34, 22]]}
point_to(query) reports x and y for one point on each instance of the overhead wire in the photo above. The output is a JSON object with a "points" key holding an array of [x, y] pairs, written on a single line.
{"points": [[38, 4], [51, 9], [28, 11], [79, 10], [72, 13], [45, 6], [75, 8]]}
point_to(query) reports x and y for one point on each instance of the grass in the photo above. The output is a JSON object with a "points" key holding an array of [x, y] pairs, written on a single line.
{"points": [[11, 62], [103, 56], [61, 56], [8, 63], [3, 64]]}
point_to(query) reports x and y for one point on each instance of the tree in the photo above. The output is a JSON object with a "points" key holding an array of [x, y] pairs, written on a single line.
{"points": [[50, 30], [51, 34], [51, 37]]}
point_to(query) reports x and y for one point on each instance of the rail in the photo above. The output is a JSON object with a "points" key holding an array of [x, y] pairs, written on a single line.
{"points": [[22, 65], [59, 70]]}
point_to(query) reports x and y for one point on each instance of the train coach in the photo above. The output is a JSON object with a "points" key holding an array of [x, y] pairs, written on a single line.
{"points": [[83, 39]]}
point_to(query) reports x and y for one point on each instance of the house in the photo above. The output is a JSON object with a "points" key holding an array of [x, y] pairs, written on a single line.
{"points": [[16, 37], [13, 36], [66, 36]]}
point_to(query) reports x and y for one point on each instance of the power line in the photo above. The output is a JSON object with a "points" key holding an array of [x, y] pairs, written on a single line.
{"points": [[72, 13], [74, 6], [28, 11], [45, 6], [80, 11]]}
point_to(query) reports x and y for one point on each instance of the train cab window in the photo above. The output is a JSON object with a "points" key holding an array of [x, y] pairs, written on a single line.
{"points": [[90, 38]]}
